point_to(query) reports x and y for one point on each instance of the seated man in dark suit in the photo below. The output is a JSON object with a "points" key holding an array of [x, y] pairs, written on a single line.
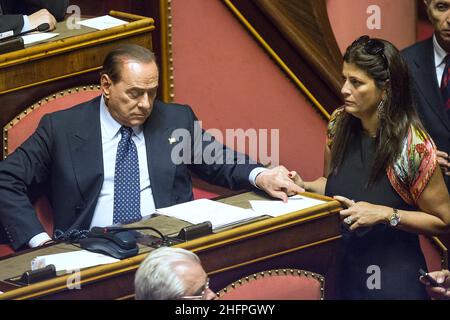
{"points": [[17, 16], [117, 157], [430, 70]]}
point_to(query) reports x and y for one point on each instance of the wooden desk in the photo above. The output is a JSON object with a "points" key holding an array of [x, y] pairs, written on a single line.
{"points": [[306, 239]]}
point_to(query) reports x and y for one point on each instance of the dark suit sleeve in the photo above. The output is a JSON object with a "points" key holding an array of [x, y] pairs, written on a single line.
{"points": [[10, 22], [28, 165], [57, 8], [216, 163]]}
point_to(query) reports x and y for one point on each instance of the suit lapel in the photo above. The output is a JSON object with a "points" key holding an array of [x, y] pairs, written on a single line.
{"points": [[87, 156], [160, 166], [425, 68]]}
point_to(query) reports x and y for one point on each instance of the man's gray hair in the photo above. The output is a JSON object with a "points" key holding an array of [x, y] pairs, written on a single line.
{"points": [[156, 279]]}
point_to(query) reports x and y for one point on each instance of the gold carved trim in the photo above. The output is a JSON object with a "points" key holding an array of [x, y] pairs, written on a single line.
{"points": [[274, 273], [277, 58], [37, 105], [167, 77], [442, 250], [254, 229]]}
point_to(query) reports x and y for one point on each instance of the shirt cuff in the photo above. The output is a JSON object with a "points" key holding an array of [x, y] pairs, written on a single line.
{"points": [[38, 239], [26, 24], [254, 173]]}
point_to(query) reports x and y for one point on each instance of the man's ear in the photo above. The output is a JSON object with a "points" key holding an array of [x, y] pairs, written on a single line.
{"points": [[105, 84], [427, 8]]}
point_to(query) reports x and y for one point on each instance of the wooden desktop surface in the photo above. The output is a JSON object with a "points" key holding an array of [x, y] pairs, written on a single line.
{"points": [[305, 238]]}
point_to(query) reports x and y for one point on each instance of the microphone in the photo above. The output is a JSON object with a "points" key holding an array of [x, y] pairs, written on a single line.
{"points": [[40, 28]]}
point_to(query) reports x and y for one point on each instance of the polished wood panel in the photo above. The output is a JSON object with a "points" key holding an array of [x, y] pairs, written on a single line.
{"points": [[306, 25]]}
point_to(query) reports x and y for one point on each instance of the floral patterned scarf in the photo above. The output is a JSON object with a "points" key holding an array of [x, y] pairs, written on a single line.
{"points": [[414, 167]]}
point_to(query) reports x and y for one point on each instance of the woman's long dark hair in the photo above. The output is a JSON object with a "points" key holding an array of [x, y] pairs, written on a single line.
{"points": [[399, 109]]}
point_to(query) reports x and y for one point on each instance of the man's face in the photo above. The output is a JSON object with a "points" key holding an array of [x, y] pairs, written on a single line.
{"points": [[196, 280], [439, 14], [130, 100]]}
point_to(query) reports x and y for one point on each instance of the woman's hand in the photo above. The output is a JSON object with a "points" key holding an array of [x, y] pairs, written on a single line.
{"points": [[444, 162], [443, 278], [297, 179], [362, 214]]}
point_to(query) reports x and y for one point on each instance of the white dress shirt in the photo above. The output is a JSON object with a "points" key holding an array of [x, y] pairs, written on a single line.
{"points": [[103, 214], [439, 59]]}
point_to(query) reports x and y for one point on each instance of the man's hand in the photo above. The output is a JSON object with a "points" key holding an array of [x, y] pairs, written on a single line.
{"points": [[276, 183], [443, 278], [40, 17], [444, 162]]}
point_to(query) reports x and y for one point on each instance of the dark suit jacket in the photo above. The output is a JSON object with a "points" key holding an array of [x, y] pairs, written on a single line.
{"points": [[65, 153], [13, 11], [420, 59]]}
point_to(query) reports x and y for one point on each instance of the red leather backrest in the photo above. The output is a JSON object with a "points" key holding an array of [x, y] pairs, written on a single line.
{"points": [[294, 285], [26, 123]]}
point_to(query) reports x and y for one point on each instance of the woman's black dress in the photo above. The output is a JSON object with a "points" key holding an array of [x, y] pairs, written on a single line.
{"points": [[394, 253]]}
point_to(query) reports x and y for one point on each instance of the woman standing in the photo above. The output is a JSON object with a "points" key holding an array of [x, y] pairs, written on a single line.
{"points": [[381, 165]]}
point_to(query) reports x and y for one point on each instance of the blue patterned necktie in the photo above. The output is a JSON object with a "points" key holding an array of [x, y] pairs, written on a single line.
{"points": [[127, 196], [445, 86]]}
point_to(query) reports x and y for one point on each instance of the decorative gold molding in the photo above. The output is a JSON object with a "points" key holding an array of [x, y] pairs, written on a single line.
{"points": [[277, 58], [167, 78], [37, 105]]}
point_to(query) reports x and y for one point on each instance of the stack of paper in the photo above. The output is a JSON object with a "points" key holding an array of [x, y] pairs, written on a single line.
{"points": [[72, 260], [102, 23], [198, 211], [38, 37], [277, 208]]}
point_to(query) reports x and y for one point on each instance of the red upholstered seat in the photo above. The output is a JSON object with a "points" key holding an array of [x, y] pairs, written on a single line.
{"points": [[26, 123], [290, 284], [22, 126]]}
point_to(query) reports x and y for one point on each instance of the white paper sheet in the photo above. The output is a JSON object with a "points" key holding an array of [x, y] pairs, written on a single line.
{"points": [[198, 211], [36, 37], [102, 23], [72, 260], [277, 208]]}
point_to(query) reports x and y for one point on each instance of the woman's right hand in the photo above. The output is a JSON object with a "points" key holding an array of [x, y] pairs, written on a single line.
{"points": [[443, 278], [297, 179], [444, 162]]}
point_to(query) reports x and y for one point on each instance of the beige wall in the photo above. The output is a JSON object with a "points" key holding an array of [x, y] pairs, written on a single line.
{"points": [[349, 21]]}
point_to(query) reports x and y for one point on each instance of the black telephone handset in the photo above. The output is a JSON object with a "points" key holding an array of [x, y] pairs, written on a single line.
{"points": [[116, 242], [427, 277]]}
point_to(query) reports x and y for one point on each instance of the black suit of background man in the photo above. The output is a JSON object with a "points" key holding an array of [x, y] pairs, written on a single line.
{"points": [[420, 58], [13, 11]]}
